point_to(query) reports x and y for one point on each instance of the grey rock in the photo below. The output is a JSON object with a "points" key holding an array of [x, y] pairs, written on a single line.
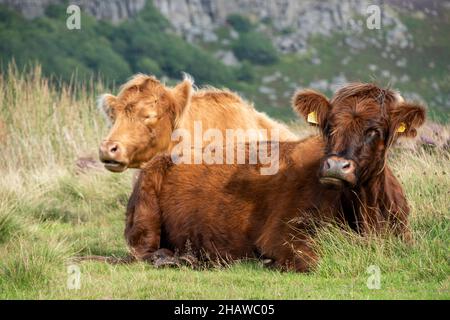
{"points": [[234, 34], [304, 18], [227, 57], [320, 85], [113, 10], [337, 82], [401, 62], [196, 20], [271, 78], [404, 78], [266, 90], [210, 36], [385, 73], [316, 61]]}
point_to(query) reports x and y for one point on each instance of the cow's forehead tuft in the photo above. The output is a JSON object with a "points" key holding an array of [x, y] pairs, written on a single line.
{"points": [[354, 109]]}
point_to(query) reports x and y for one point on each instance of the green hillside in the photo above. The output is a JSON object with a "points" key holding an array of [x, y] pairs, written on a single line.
{"points": [[99, 48], [147, 43]]}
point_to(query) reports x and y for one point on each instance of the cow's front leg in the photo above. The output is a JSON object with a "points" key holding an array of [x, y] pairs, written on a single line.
{"points": [[298, 256], [287, 249], [143, 223]]}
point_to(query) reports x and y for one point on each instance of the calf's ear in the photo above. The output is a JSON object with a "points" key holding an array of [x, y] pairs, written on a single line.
{"points": [[406, 117], [104, 105], [311, 105], [182, 93]]}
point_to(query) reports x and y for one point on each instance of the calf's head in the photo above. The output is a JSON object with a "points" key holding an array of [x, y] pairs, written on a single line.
{"points": [[143, 116], [358, 125]]}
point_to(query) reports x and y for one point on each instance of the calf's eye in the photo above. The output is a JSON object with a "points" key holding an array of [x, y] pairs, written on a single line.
{"points": [[371, 134]]}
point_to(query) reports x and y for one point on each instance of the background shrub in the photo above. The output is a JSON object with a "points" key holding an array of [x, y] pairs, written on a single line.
{"points": [[256, 48], [239, 23]]}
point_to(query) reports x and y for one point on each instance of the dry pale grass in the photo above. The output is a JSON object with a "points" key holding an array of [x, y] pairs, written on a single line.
{"points": [[42, 126]]}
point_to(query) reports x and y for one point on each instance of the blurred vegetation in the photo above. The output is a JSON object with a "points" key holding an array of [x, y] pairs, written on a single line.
{"points": [[147, 43], [239, 22], [114, 52], [255, 47], [100, 48], [251, 45]]}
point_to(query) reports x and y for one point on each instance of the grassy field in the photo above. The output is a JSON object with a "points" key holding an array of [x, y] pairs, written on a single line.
{"points": [[51, 209]]}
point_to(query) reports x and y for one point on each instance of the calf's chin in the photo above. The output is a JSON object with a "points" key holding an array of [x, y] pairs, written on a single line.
{"points": [[332, 183]]}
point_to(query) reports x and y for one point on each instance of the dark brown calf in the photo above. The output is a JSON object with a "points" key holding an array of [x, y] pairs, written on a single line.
{"points": [[232, 212]]}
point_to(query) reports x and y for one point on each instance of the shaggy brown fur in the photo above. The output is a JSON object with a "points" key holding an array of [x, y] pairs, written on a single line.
{"points": [[232, 212], [146, 112]]}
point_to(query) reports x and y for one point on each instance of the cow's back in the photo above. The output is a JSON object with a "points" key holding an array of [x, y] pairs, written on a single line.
{"points": [[222, 110]]}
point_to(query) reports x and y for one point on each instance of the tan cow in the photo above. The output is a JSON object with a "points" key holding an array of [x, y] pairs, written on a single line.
{"points": [[146, 112]]}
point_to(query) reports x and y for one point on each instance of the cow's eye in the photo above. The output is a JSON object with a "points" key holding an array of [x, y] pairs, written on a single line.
{"points": [[151, 114], [150, 118], [371, 134]]}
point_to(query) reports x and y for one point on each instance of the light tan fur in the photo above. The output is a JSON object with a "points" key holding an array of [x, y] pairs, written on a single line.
{"points": [[146, 112]]}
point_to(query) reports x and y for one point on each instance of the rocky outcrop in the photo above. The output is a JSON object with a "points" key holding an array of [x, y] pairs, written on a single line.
{"points": [[29, 8], [113, 10], [290, 22]]}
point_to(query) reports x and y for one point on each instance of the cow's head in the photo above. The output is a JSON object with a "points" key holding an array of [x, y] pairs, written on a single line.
{"points": [[143, 116], [358, 125]]}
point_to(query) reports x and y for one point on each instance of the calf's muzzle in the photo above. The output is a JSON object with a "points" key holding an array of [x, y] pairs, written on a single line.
{"points": [[337, 171]]}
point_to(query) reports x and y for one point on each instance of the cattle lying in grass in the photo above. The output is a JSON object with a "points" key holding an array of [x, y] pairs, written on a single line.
{"points": [[146, 112], [232, 212]]}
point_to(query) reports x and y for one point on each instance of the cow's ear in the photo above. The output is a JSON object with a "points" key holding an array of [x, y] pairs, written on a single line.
{"points": [[311, 105], [105, 105], [182, 93], [406, 117]]}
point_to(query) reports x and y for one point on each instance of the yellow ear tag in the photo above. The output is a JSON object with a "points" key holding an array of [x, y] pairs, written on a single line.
{"points": [[402, 127], [312, 117]]}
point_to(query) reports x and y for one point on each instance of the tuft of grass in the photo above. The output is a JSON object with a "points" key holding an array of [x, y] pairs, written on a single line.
{"points": [[27, 265], [8, 225], [345, 254]]}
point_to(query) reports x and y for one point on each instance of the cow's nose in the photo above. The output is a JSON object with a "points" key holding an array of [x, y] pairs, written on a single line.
{"points": [[340, 165], [339, 168], [109, 150]]}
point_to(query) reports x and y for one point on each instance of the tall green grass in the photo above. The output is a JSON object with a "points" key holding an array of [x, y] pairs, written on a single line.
{"points": [[51, 212]]}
